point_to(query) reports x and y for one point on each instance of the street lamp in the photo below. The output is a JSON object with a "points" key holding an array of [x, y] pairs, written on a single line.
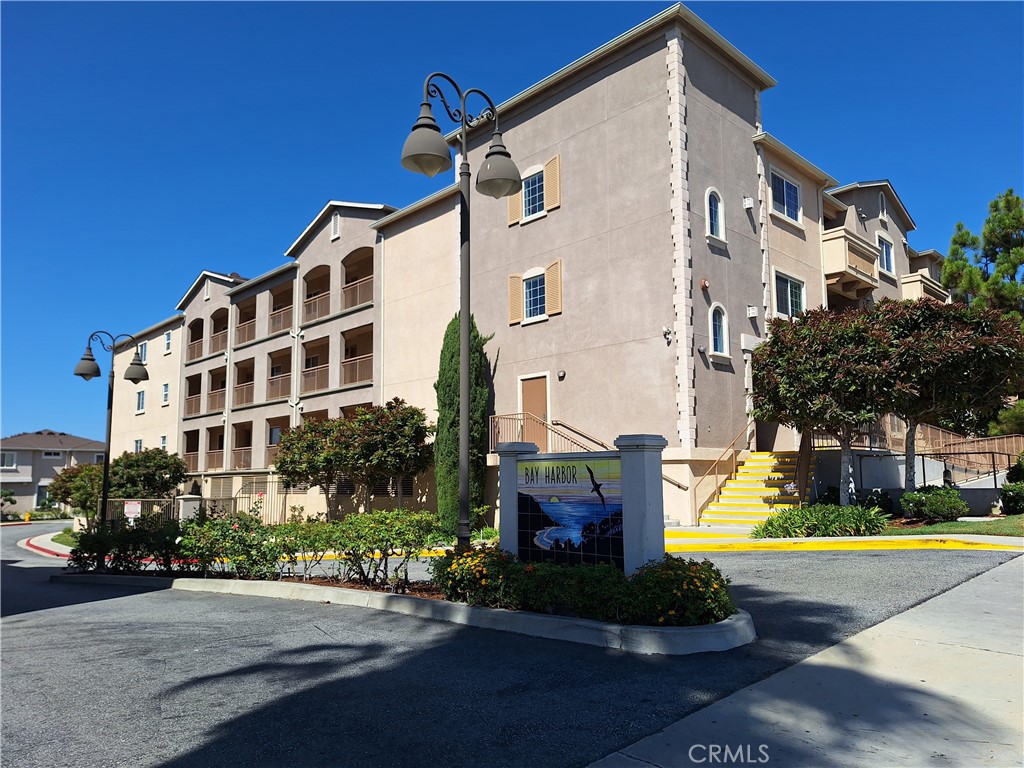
{"points": [[87, 368], [427, 152]]}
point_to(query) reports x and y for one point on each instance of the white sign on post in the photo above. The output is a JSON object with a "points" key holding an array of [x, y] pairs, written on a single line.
{"points": [[133, 509]]}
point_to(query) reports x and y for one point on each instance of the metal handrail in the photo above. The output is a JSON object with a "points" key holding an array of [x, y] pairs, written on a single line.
{"points": [[735, 454], [582, 434]]}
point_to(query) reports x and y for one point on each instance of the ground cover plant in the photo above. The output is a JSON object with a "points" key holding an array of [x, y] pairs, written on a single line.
{"points": [[822, 520], [1005, 526]]}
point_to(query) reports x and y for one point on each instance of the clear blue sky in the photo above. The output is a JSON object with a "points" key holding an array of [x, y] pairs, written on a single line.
{"points": [[145, 142]]}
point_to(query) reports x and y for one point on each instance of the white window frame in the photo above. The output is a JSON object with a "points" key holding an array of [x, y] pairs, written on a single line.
{"points": [[712, 238], [140, 401], [775, 293], [782, 215], [163, 442], [53, 454], [892, 253], [143, 349], [97, 458], [725, 353], [8, 463], [137, 445], [165, 394], [531, 172], [167, 343], [529, 275]]}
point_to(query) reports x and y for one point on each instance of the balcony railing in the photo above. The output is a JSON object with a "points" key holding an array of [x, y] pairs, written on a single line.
{"points": [[193, 404], [357, 292], [241, 458], [356, 370], [271, 454], [215, 400], [218, 342], [243, 394], [245, 331], [851, 263], [214, 460], [920, 284], [191, 461], [279, 387], [194, 350], [316, 307], [314, 379], [281, 320]]}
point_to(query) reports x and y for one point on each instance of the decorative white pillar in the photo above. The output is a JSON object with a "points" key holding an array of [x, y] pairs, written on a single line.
{"points": [[508, 492], [643, 505]]}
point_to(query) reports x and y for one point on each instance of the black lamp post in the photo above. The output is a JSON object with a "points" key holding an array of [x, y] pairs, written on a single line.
{"points": [[87, 368], [427, 152]]}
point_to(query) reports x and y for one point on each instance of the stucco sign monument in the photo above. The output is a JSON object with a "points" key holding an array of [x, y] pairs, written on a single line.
{"points": [[601, 507]]}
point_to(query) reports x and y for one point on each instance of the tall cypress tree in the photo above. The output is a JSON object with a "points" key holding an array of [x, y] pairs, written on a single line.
{"points": [[446, 443]]}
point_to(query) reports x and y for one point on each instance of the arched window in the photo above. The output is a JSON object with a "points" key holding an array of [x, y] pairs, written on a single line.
{"points": [[715, 215], [719, 330]]}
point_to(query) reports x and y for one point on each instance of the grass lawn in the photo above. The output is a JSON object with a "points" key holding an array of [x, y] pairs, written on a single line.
{"points": [[1011, 525], [67, 538]]}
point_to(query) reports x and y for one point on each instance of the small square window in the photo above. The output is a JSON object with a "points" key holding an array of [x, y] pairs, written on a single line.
{"points": [[52, 454], [8, 460], [166, 394], [98, 458], [789, 296], [533, 297], [140, 400], [143, 347], [785, 197], [167, 342], [163, 442], [138, 446], [533, 195]]}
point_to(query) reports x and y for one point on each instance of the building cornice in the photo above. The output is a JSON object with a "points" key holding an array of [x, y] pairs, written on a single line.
{"points": [[419, 205], [799, 161], [319, 218]]}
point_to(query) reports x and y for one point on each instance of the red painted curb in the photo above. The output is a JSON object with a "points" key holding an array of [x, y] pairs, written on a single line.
{"points": [[50, 552], [12, 524]]}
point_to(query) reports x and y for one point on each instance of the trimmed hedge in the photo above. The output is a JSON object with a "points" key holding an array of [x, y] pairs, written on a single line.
{"points": [[822, 520], [1013, 498], [934, 503]]}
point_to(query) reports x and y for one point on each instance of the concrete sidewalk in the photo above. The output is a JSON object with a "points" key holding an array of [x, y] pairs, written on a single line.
{"points": [[941, 684]]}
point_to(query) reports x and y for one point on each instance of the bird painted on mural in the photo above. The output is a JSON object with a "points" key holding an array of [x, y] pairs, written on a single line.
{"points": [[597, 486]]}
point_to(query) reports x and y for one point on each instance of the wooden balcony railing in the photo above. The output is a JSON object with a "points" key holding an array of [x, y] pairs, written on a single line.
{"points": [[357, 370], [194, 350], [191, 461], [214, 460], [271, 455], [245, 331], [193, 404], [279, 387], [215, 400], [218, 342], [357, 292], [316, 307], [241, 458], [281, 320], [527, 428], [243, 394], [314, 379]]}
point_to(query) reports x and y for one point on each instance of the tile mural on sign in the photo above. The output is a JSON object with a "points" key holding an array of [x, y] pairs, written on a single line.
{"points": [[570, 510]]}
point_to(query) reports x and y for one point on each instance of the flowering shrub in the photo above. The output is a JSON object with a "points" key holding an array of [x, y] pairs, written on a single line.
{"points": [[371, 543], [669, 592]]}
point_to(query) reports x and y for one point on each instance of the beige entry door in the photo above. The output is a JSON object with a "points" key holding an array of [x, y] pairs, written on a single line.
{"points": [[534, 393]]}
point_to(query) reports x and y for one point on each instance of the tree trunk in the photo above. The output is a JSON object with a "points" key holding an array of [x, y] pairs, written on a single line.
{"points": [[369, 498], [847, 490], [399, 479], [910, 470]]}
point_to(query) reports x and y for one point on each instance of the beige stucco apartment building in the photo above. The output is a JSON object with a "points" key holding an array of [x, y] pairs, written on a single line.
{"points": [[29, 461], [659, 228]]}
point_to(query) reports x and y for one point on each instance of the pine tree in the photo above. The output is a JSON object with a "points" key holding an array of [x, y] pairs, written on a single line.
{"points": [[446, 444]]}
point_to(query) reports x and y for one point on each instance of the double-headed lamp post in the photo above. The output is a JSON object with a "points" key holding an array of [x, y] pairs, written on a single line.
{"points": [[88, 368], [427, 152]]}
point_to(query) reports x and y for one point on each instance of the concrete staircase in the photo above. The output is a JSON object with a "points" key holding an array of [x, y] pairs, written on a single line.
{"points": [[754, 493]]}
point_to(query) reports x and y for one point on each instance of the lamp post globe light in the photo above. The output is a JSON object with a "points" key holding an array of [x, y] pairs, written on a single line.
{"points": [[427, 152], [88, 368]]}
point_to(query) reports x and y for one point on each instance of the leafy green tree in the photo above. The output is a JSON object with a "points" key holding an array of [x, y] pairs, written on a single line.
{"points": [[384, 441], [79, 487], [988, 271], [7, 498], [823, 370], [1009, 421], [314, 453], [446, 444], [150, 474], [950, 363]]}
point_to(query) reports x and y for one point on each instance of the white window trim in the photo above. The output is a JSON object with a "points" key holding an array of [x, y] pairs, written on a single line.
{"points": [[168, 340], [335, 226], [53, 454], [714, 239], [163, 442], [535, 272], [798, 221], [726, 354], [892, 253], [775, 293], [137, 445], [165, 395], [143, 408], [143, 349], [533, 170], [14, 462]]}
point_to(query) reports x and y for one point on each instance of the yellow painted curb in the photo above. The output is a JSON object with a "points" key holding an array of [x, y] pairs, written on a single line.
{"points": [[708, 535], [821, 545]]}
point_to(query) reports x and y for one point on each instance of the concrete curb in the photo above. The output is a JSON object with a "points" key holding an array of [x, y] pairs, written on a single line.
{"points": [[838, 544], [735, 631]]}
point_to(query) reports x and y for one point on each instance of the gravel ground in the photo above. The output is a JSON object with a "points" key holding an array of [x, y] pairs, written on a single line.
{"points": [[99, 676]]}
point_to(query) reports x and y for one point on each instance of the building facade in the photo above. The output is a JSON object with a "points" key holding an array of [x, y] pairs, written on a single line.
{"points": [[624, 288], [29, 461]]}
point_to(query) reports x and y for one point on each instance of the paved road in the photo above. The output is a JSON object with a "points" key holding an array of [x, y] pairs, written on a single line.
{"points": [[104, 677]]}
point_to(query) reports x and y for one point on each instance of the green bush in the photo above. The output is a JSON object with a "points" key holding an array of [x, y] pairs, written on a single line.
{"points": [[372, 540], [934, 503], [130, 546], [1016, 473], [822, 520], [669, 592], [1013, 498]]}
